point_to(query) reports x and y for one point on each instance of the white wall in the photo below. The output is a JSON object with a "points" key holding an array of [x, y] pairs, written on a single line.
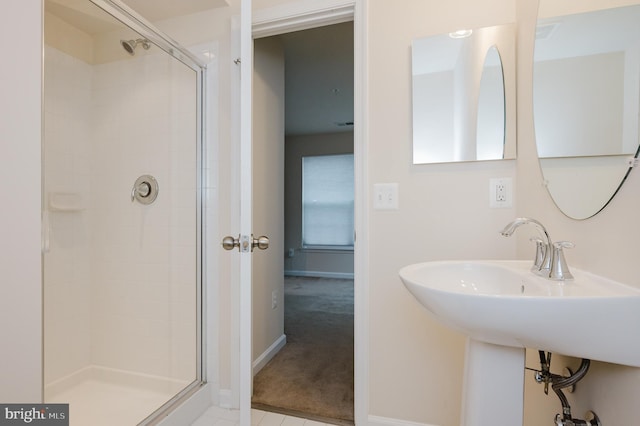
{"points": [[268, 193], [415, 363], [437, 221], [605, 244], [20, 177]]}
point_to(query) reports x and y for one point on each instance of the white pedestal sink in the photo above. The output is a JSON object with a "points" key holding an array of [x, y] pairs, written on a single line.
{"points": [[503, 308]]}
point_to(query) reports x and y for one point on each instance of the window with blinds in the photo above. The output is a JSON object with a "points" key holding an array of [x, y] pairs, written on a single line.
{"points": [[327, 201]]}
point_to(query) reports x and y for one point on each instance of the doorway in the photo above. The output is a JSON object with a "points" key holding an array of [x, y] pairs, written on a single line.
{"points": [[313, 296]]}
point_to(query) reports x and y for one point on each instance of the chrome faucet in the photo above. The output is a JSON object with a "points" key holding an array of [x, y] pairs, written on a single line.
{"points": [[542, 262], [549, 261]]}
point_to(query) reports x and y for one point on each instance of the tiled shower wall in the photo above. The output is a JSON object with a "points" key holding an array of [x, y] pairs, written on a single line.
{"points": [[131, 304], [67, 170]]}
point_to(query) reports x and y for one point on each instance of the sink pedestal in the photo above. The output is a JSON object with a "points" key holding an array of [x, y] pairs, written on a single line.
{"points": [[493, 389]]}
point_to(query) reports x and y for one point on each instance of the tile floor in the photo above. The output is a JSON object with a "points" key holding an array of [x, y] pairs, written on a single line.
{"points": [[216, 416]]}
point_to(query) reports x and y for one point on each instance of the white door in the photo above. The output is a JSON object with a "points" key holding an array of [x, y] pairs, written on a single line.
{"points": [[246, 217], [261, 202], [243, 239]]}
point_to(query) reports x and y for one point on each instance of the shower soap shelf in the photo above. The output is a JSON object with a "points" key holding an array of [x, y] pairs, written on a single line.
{"points": [[65, 202]]}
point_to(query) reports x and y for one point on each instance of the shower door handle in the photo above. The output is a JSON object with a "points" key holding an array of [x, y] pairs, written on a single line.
{"points": [[244, 243]]}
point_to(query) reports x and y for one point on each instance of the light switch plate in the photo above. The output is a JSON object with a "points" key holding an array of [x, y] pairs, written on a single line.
{"points": [[385, 196]]}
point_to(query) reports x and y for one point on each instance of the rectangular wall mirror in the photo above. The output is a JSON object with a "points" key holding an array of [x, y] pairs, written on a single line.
{"points": [[464, 95]]}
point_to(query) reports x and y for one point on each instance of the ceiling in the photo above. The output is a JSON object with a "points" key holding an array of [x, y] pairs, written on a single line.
{"points": [[85, 16], [155, 10], [319, 79]]}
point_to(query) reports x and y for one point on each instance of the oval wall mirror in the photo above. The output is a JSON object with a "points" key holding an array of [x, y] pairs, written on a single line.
{"points": [[464, 96], [586, 98]]}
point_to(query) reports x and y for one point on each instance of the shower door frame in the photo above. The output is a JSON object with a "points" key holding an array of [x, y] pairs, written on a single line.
{"points": [[137, 23]]}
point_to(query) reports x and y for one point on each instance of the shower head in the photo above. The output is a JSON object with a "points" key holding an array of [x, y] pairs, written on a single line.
{"points": [[130, 45]]}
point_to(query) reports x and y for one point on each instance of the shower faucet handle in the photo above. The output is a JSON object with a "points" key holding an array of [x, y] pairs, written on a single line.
{"points": [[145, 190]]}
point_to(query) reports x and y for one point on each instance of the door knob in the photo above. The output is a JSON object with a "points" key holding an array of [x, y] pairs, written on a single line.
{"points": [[229, 243], [261, 242], [242, 243]]}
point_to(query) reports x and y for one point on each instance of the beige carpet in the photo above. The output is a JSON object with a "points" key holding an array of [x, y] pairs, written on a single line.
{"points": [[312, 376]]}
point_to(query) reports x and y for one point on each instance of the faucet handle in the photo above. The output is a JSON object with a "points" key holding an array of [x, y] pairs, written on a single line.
{"points": [[541, 249], [559, 269], [563, 244]]}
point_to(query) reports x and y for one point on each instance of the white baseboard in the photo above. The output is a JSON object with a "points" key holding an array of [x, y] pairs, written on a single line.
{"points": [[384, 421], [319, 274], [266, 356]]}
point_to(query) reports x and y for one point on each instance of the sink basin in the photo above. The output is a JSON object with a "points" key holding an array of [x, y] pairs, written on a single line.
{"points": [[504, 303], [503, 308]]}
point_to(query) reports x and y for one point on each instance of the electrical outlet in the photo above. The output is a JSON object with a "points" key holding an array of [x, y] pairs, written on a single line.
{"points": [[500, 193], [274, 299]]}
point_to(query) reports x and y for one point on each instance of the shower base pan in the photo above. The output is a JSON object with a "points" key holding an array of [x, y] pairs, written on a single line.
{"points": [[100, 396]]}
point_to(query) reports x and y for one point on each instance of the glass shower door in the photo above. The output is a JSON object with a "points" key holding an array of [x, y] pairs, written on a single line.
{"points": [[122, 278]]}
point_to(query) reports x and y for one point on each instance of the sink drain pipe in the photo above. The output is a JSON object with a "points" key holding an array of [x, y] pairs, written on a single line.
{"points": [[558, 383]]}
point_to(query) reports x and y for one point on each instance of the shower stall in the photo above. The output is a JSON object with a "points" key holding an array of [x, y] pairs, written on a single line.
{"points": [[122, 215]]}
